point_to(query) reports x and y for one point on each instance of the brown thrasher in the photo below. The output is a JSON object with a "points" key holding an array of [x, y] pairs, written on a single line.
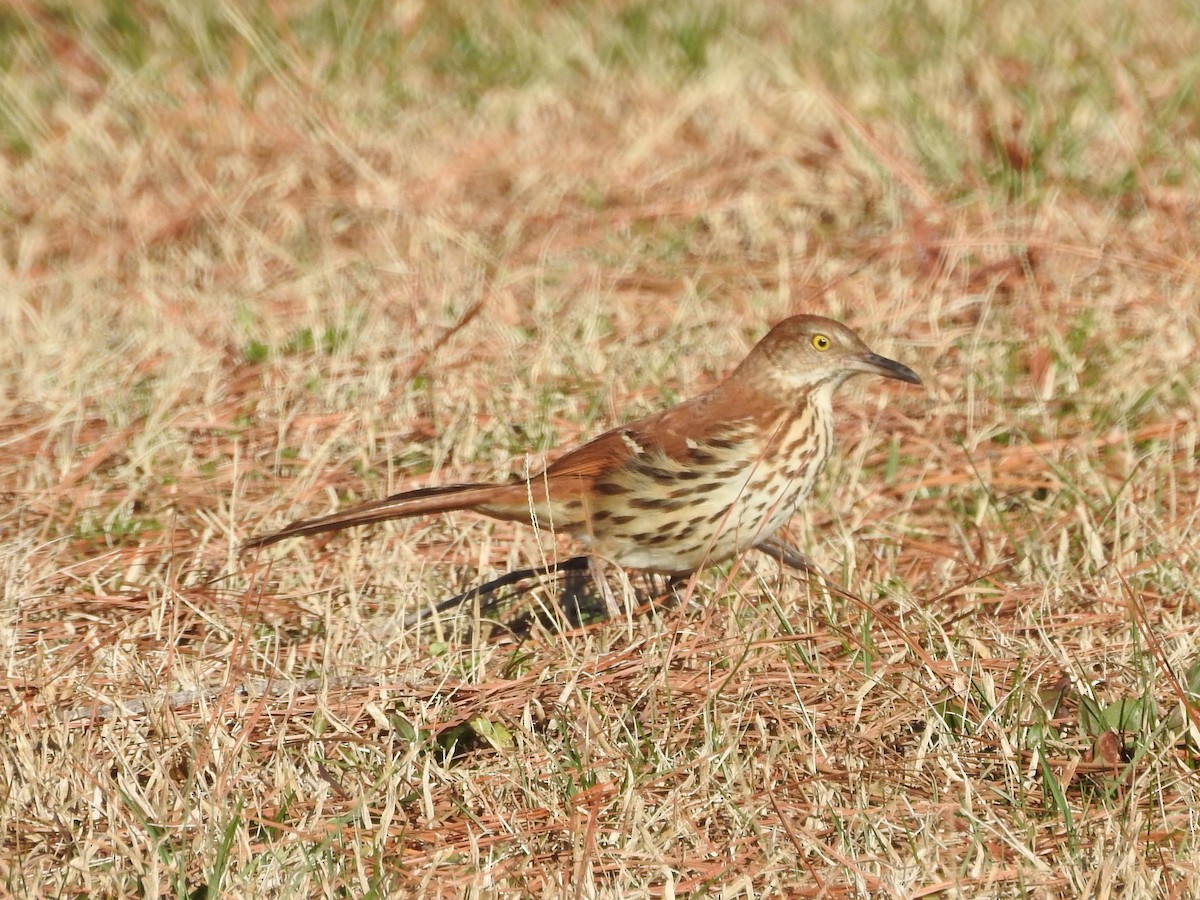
{"points": [[689, 486]]}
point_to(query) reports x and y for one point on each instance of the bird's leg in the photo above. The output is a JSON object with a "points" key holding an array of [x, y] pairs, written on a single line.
{"points": [[583, 585], [568, 566], [776, 548], [788, 554], [596, 570], [576, 599]]}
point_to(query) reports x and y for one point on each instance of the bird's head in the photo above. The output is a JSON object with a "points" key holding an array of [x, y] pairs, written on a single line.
{"points": [[810, 352]]}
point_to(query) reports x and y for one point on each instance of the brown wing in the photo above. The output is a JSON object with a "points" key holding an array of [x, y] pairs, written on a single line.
{"points": [[592, 460], [670, 433]]}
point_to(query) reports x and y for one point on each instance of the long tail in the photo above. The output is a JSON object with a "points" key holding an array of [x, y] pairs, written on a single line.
{"points": [[424, 501]]}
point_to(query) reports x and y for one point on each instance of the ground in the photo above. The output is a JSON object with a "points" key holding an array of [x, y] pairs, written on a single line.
{"points": [[264, 260]]}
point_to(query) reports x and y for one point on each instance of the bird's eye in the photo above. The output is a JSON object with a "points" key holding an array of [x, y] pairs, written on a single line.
{"points": [[821, 342]]}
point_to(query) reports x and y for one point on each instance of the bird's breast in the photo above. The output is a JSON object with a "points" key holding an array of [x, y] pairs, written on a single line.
{"points": [[721, 494]]}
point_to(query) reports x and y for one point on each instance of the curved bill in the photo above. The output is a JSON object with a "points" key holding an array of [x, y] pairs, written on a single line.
{"points": [[874, 364]]}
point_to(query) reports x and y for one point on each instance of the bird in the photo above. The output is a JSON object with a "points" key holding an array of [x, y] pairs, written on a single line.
{"points": [[685, 488]]}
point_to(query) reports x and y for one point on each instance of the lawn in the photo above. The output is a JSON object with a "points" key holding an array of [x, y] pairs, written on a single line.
{"points": [[263, 260]]}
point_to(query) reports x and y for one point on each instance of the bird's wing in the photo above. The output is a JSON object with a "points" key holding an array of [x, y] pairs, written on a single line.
{"points": [[595, 459], [668, 435]]}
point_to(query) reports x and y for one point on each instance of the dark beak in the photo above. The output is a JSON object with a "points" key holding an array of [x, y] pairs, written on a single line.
{"points": [[874, 364]]}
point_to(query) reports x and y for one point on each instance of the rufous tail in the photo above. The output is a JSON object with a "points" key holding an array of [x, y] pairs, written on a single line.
{"points": [[425, 501]]}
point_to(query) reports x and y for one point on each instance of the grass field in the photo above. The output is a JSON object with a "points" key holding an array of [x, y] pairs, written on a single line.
{"points": [[260, 260]]}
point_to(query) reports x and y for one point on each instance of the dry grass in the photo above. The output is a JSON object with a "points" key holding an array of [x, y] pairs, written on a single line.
{"points": [[260, 263]]}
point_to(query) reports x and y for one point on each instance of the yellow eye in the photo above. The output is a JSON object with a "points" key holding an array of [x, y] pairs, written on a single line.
{"points": [[820, 342]]}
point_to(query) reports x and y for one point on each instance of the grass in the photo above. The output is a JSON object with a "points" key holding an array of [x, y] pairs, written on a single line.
{"points": [[260, 262]]}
